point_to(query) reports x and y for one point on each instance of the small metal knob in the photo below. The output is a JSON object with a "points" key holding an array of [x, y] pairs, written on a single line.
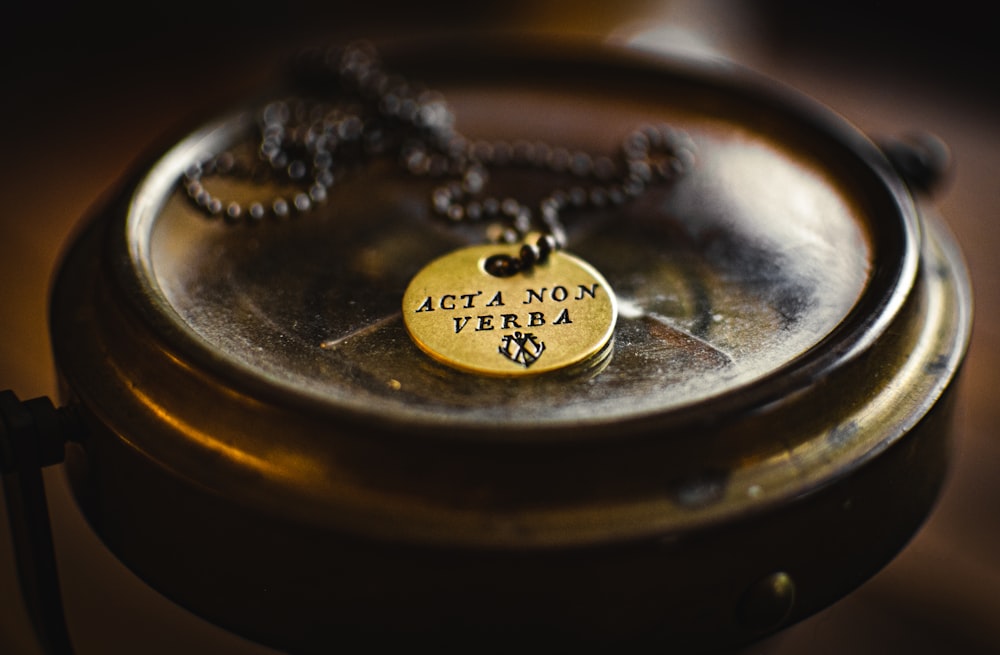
{"points": [[922, 159]]}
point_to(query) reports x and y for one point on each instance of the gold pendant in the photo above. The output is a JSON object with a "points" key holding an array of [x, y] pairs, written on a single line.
{"points": [[555, 314]]}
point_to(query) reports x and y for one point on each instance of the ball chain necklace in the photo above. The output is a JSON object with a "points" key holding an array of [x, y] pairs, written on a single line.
{"points": [[517, 305]]}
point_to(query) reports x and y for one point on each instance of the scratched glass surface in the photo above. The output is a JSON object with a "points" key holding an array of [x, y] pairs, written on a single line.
{"points": [[746, 263]]}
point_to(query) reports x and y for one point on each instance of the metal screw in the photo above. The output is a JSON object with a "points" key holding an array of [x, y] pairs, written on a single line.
{"points": [[768, 602]]}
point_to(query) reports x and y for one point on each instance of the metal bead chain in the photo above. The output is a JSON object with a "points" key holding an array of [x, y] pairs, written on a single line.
{"points": [[302, 155], [307, 144], [651, 154]]}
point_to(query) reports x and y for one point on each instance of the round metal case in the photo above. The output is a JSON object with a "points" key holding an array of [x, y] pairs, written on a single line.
{"points": [[267, 447]]}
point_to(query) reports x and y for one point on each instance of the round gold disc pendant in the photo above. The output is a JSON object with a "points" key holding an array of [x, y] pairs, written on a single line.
{"points": [[554, 315]]}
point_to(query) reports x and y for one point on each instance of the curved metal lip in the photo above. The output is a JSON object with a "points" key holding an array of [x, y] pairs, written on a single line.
{"points": [[879, 304]]}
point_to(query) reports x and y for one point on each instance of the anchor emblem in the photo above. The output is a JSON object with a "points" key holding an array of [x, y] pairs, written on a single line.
{"points": [[523, 349]]}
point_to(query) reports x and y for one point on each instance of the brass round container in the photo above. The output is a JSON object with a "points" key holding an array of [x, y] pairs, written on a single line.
{"points": [[267, 447]]}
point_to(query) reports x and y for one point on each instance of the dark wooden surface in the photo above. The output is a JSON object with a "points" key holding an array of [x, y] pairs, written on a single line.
{"points": [[84, 97]]}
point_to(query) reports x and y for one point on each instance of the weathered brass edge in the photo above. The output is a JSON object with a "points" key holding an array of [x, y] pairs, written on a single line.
{"points": [[685, 591]]}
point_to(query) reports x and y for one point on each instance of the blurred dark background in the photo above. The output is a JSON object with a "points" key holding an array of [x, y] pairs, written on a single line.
{"points": [[52, 50], [950, 45], [85, 89]]}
